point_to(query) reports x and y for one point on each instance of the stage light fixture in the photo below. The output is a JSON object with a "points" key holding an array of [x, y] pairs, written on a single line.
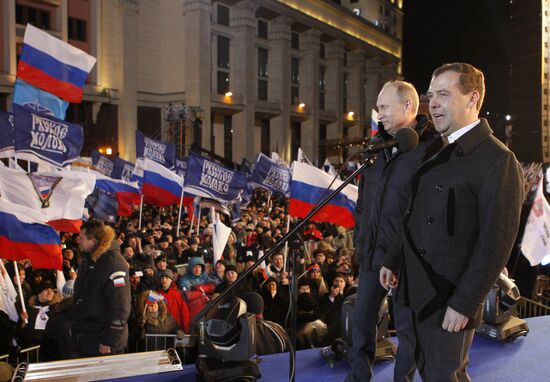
{"points": [[227, 342]]}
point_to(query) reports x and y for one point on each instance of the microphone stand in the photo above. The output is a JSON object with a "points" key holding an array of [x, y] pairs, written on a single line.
{"points": [[367, 162]]}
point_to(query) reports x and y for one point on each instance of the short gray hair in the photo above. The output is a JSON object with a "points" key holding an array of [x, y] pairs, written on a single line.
{"points": [[405, 90]]}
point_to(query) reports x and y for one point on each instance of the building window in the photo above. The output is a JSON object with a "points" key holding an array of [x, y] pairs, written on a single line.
{"points": [[40, 18], [262, 73], [295, 139], [223, 82], [263, 29], [322, 87], [262, 90], [227, 138], [223, 15], [322, 50], [77, 29], [345, 93], [223, 52], [295, 81], [295, 41], [265, 133], [295, 95], [322, 143], [295, 70], [262, 62], [345, 58]]}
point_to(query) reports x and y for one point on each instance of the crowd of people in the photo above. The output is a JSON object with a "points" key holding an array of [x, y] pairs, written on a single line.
{"points": [[172, 277]]}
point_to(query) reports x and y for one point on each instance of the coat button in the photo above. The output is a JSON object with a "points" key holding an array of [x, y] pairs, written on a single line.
{"points": [[429, 220], [439, 187], [421, 251], [459, 153]]}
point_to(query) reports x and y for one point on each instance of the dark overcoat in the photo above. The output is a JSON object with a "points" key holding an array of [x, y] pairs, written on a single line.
{"points": [[460, 225]]}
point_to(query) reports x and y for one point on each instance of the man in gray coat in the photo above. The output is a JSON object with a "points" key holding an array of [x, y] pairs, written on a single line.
{"points": [[459, 227]]}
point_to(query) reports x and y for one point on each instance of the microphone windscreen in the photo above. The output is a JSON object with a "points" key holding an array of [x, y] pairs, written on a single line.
{"points": [[407, 139]]}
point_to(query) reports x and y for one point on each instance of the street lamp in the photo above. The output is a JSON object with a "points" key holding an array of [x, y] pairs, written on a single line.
{"points": [[508, 117]]}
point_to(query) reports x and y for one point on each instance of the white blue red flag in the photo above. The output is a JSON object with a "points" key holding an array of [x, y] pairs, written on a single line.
{"points": [[127, 194], [23, 235], [59, 195], [53, 65], [309, 185], [161, 187], [373, 123]]}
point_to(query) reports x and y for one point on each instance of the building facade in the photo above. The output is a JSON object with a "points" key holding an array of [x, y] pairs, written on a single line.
{"points": [[233, 77]]}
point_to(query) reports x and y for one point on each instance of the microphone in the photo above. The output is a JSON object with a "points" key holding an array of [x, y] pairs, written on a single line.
{"points": [[405, 140]]}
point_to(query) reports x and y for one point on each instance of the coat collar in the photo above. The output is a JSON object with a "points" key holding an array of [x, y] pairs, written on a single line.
{"points": [[473, 138]]}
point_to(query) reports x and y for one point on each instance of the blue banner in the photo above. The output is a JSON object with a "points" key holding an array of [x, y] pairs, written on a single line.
{"points": [[103, 204], [181, 167], [102, 163], [123, 170], [159, 151], [270, 175], [207, 178], [38, 100], [39, 137], [7, 132]]}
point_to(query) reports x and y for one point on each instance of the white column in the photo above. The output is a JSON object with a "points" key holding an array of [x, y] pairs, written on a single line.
{"points": [[279, 83], [198, 49], [243, 78], [127, 106], [309, 88]]}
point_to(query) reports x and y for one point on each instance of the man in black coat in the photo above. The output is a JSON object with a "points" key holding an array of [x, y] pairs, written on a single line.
{"points": [[383, 194], [459, 227], [101, 299]]}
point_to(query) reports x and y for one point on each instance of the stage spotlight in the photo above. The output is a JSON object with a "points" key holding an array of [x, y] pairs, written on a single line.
{"points": [[227, 342], [500, 321], [385, 349]]}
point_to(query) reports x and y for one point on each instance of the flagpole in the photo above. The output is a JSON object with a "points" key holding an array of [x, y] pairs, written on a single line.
{"points": [[199, 218], [268, 201], [140, 211], [179, 214], [286, 242], [23, 308]]}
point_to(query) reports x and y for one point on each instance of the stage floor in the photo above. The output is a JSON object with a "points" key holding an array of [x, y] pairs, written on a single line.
{"points": [[526, 359]]}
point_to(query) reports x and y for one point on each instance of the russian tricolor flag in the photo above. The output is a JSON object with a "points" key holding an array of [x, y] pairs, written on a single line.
{"points": [[53, 65], [127, 194], [161, 187], [23, 235], [309, 185], [373, 123]]}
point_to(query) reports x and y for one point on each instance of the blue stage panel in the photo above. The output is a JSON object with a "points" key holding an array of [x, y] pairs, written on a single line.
{"points": [[525, 360]]}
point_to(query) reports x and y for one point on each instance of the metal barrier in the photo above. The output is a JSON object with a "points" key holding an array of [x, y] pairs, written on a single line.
{"points": [[155, 342], [28, 355], [530, 308]]}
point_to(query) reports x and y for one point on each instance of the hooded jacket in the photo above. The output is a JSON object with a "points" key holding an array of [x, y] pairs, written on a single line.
{"points": [[101, 299], [196, 289]]}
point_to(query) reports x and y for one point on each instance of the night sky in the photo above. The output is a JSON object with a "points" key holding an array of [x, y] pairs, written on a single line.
{"points": [[474, 31]]}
